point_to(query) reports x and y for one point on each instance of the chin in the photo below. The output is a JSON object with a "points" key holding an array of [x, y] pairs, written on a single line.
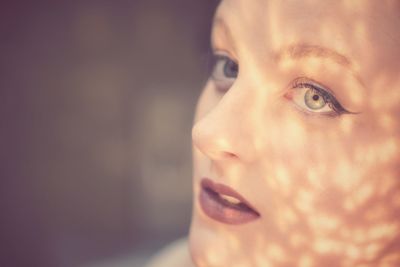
{"points": [[215, 245]]}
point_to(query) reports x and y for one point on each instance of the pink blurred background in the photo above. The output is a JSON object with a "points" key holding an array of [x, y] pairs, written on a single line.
{"points": [[96, 104]]}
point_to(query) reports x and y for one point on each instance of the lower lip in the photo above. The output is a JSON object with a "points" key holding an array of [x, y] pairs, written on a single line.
{"points": [[217, 209]]}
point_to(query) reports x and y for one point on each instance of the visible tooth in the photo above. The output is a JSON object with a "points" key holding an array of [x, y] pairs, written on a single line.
{"points": [[230, 199]]}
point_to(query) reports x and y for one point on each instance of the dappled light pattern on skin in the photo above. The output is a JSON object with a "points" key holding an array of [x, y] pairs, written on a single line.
{"points": [[327, 186]]}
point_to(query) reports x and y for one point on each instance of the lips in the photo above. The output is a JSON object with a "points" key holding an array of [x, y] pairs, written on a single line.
{"points": [[223, 204]]}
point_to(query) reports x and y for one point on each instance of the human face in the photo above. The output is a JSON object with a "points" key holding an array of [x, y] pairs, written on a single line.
{"points": [[301, 118]]}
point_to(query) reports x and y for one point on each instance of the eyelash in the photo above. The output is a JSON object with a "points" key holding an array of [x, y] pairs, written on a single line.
{"points": [[328, 97]]}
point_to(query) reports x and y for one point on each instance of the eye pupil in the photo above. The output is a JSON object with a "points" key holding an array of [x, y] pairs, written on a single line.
{"points": [[314, 100], [231, 69]]}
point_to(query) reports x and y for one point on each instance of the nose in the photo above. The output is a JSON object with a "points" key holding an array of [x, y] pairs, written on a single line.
{"points": [[225, 132]]}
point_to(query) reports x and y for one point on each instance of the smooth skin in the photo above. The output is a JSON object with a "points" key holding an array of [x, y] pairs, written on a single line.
{"points": [[326, 180]]}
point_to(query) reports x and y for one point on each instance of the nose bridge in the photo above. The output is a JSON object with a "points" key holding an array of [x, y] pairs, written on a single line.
{"points": [[226, 131]]}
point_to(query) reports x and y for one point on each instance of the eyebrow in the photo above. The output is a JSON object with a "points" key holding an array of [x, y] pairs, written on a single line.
{"points": [[302, 50], [299, 51]]}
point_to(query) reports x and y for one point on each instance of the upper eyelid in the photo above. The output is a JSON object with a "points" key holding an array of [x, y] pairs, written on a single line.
{"points": [[221, 57], [313, 84], [225, 54]]}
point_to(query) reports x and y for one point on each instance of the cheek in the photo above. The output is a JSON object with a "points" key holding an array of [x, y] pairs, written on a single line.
{"points": [[324, 153], [340, 176]]}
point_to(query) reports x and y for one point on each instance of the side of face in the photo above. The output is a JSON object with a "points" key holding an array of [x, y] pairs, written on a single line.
{"points": [[326, 180]]}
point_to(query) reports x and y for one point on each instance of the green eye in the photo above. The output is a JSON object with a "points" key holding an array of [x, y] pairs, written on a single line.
{"points": [[314, 100]]}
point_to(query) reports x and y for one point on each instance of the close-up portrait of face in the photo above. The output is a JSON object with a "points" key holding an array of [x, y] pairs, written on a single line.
{"points": [[296, 137], [206, 133]]}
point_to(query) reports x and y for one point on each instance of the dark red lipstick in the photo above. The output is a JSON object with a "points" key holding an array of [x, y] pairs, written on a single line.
{"points": [[223, 204]]}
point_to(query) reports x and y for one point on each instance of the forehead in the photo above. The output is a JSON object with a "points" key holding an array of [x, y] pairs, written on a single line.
{"points": [[365, 31]]}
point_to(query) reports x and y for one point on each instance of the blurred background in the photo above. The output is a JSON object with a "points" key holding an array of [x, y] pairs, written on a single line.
{"points": [[96, 105]]}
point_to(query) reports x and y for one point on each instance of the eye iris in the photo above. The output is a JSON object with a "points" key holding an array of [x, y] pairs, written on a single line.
{"points": [[231, 69], [314, 100]]}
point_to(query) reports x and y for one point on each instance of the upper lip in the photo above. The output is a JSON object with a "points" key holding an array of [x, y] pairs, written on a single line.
{"points": [[225, 190]]}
